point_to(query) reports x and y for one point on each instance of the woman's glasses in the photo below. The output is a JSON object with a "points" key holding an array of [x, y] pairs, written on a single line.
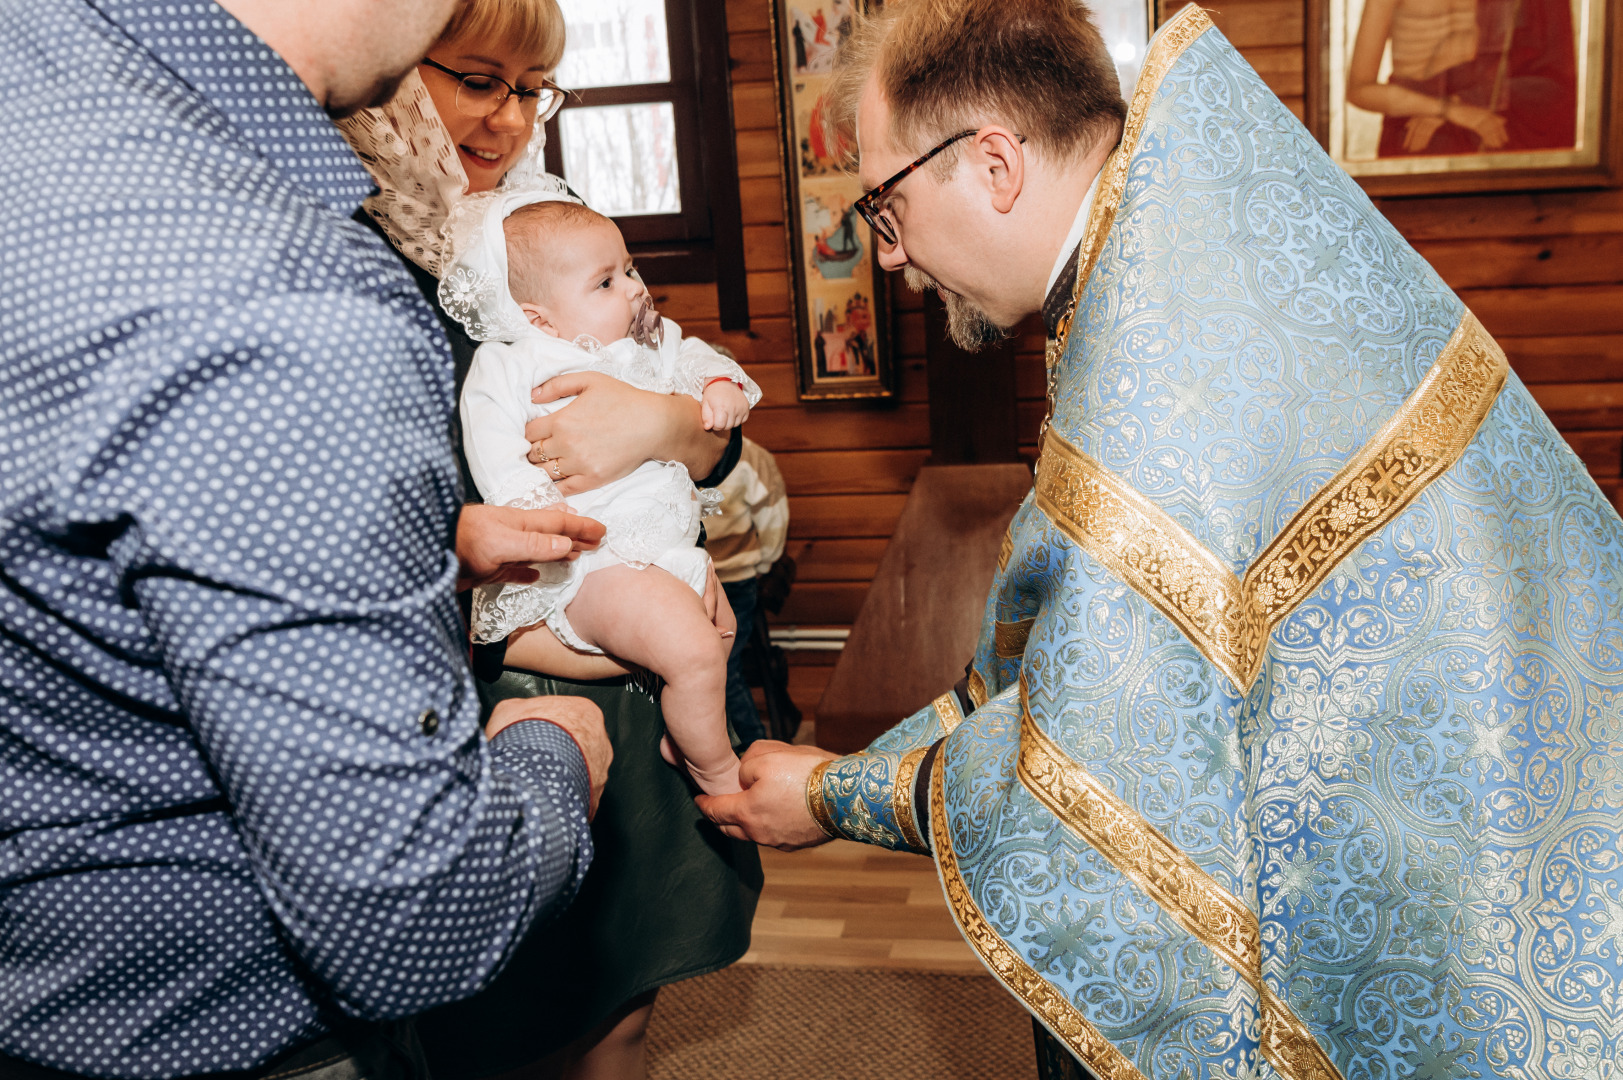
{"points": [[478, 94]]}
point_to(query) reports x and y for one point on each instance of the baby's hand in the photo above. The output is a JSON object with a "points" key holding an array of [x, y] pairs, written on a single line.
{"points": [[725, 406]]}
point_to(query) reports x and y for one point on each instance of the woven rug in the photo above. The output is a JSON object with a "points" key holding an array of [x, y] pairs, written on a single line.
{"points": [[756, 1022]]}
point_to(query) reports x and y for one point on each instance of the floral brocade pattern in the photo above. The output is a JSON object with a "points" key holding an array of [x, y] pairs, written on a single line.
{"points": [[857, 791], [869, 797], [1230, 617], [1395, 850], [1253, 348]]}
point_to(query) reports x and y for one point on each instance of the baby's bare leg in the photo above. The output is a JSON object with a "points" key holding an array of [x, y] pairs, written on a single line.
{"points": [[652, 618]]}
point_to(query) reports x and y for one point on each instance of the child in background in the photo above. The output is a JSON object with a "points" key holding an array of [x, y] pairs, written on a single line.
{"points": [[548, 286], [744, 540]]}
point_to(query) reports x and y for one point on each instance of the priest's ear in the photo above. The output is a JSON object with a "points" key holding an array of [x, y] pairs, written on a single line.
{"points": [[1002, 156], [540, 319]]}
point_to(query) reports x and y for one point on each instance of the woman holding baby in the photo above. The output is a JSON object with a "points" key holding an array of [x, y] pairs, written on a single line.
{"points": [[667, 897]]}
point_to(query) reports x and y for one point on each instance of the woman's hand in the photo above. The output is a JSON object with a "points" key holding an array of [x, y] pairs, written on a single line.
{"points": [[717, 608], [498, 543], [612, 427], [580, 719]]}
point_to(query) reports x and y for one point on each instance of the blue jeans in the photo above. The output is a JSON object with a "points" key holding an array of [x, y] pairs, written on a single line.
{"points": [[741, 712]]}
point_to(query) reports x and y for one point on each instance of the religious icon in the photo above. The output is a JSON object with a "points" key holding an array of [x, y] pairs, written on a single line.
{"points": [[843, 343], [1434, 95], [840, 305], [833, 231], [822, 151], [814, 35]]}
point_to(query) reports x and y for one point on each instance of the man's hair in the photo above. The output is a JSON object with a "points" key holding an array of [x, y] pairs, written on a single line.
{"points": [[528, 230], [533, 28], [945, 66]]}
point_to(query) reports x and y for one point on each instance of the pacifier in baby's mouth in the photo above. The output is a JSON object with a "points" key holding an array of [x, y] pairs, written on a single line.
{"points": [[647, 329]]}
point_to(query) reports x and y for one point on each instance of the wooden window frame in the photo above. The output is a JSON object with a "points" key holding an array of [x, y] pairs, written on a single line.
{"points": [[704, 242]]}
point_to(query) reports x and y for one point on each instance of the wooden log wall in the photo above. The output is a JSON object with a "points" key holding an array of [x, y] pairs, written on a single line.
{"points": [[1544, 272], [848, 466]]}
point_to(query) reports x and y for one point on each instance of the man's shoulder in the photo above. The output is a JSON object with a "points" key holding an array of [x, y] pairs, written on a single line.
{"points": [[71, 76], [137, 214]]}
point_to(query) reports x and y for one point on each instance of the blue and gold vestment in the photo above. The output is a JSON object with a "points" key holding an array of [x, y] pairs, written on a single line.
{"points": [[1298, 747]]}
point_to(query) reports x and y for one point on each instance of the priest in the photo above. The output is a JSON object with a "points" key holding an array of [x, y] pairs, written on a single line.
{"points": [[1293, 741]]}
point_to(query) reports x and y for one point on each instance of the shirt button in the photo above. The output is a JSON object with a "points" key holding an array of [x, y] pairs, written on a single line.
{"points": [[429, 722]]}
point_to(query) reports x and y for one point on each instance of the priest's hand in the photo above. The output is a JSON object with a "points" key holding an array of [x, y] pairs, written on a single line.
{"points": [[771, 809]]}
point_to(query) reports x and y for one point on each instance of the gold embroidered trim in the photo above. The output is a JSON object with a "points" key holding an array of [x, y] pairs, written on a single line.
{"points": [[1057, 1013], [1009, 638], [977, 690], [1423, 439], [1006, 549], [947, 712], [1139, 851], [1211, 914], [901, 799], [1290, 1044], [1169, 44], [1140, 543], [817, 801], [1228, 618]]}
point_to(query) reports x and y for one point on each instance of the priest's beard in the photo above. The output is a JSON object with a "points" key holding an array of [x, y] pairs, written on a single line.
{"points": [[969, 327]]}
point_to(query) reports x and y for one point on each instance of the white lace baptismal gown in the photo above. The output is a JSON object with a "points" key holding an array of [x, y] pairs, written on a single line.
{"points": [[652, 516]]}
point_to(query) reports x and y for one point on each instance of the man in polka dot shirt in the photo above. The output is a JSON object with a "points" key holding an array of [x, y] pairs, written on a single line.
{"points": [[247, 819]]}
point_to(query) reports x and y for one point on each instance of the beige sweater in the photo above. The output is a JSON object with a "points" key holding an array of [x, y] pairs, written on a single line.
{"points": [[748, 535]]}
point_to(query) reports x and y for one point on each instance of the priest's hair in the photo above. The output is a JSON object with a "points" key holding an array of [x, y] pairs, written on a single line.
{"points": [[1039, 67]]}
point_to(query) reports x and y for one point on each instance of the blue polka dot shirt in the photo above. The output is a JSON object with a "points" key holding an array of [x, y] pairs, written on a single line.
{"points": [[243, 792]]}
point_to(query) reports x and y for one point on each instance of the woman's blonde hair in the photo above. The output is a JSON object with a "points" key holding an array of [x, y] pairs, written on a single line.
{"points": [[531, 27]]}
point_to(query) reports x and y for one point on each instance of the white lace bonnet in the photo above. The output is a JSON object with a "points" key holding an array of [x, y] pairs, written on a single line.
{"points": [[473, 285]]}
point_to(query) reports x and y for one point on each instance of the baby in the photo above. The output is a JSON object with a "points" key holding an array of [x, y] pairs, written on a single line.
{"points": [[573, 302]]}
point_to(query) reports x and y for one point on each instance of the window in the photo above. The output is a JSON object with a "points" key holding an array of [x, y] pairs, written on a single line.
{"points": [[646, 136]]}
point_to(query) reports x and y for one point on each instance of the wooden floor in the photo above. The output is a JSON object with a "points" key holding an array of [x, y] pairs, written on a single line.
{"points": [[846, 905]]}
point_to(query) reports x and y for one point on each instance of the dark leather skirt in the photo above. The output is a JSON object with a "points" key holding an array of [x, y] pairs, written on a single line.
{"points": [[667, 898]]}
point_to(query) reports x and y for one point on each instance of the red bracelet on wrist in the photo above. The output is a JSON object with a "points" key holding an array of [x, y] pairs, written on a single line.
{"points": [[724, 378]]}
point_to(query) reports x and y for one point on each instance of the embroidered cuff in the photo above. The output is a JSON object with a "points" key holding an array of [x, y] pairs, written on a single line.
{"points": [[817, 805], [859, 795], [904, 798]]}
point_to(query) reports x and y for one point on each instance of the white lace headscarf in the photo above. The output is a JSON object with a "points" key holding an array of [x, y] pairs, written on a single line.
{"points": [[420, 178], [473, 286]]}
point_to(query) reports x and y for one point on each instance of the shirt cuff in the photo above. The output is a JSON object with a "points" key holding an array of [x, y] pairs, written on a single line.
{"points": [[545, 756], [729, 459]]}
